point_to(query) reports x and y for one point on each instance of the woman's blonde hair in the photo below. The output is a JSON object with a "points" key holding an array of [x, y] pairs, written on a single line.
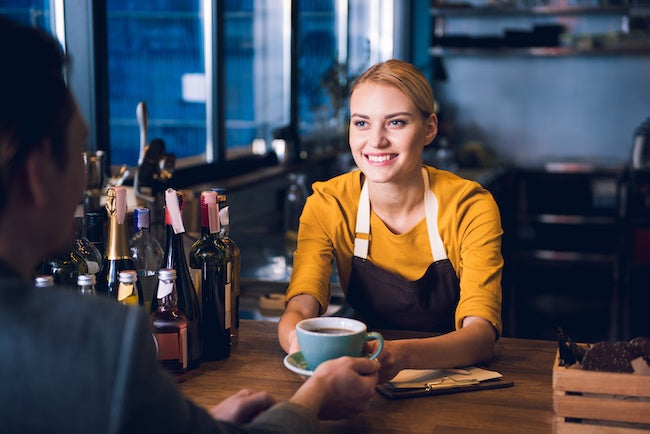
{"points": [[405, 77]]}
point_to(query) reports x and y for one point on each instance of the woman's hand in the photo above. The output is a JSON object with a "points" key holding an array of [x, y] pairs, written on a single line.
{"points": [[242, 407], [299, 307], [293, 342], [389, 359]]}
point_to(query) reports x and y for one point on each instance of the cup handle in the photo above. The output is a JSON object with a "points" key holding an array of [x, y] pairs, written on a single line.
{"points": [[375, 336]]}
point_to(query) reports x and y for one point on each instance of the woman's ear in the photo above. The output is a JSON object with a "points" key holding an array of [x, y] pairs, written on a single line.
{"points": [[38, 174], [431, 127]]}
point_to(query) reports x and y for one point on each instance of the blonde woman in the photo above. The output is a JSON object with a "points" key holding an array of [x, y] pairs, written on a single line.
{"points": [[416, 247]]}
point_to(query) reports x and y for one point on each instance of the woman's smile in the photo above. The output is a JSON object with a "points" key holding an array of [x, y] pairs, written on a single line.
{"points": [[380, 159]]}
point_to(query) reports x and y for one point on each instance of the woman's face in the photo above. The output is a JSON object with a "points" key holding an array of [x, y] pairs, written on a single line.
{"points": [[387, 133]]}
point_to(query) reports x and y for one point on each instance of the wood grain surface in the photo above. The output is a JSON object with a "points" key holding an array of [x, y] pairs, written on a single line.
{"points": [[527, 407]]}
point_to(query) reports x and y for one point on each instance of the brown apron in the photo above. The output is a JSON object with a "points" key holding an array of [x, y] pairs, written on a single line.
{"points": [[385, 300]]}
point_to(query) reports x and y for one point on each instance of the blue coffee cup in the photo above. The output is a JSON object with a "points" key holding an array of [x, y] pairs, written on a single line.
{"points": [[329, 337]]}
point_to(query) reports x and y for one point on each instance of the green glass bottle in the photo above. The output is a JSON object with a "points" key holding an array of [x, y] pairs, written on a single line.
{"points": [[210, 255]]}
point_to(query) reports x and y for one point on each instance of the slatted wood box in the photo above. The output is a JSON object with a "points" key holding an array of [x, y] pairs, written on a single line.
{"points": [[599, 402]]}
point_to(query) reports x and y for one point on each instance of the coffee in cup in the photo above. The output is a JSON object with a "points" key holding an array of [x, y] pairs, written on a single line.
{"points": [[330, 337]]}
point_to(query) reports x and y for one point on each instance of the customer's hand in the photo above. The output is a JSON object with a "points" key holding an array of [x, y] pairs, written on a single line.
{"points": [[242, 407], [339, 388]]}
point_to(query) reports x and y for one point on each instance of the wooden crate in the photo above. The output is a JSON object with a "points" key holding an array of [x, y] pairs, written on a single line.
{"points": [[599, 402]]}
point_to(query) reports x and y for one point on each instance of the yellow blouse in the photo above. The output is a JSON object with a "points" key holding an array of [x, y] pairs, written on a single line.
{"points": [[468, 221]]}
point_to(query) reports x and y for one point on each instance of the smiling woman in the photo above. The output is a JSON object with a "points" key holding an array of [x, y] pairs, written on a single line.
{"points": [[416, 247]]}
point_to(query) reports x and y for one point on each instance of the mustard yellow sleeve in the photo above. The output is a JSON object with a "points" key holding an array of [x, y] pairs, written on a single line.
{"points": [[470, 225], [326, 233]]}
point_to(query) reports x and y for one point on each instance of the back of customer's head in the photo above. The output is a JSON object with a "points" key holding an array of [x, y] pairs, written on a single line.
{"points": [[405, 77], [35, 102]]}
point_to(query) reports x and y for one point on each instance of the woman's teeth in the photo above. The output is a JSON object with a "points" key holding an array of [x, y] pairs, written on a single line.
{"points": [[379, 158]]}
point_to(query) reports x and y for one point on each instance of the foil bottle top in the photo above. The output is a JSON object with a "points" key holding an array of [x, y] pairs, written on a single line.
{"points": [[173, 210]]}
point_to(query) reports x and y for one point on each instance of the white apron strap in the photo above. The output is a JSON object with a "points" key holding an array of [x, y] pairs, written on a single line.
{"points": [[362, 231], [431, 213]]}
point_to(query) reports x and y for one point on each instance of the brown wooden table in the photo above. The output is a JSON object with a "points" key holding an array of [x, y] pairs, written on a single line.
{"points": [[527, 407]]}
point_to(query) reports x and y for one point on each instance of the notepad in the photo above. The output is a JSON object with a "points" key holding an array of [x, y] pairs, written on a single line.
{"points": [[423, 382]]}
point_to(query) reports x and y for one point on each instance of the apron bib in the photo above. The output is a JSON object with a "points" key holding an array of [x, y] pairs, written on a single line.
{"points": [[385, 300]]}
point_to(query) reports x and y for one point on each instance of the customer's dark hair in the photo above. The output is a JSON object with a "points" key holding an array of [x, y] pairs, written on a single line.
{"points": [[35, 102]]}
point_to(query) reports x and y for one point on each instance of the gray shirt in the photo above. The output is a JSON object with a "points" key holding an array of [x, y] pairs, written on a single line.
{"points": [[78, 364]]}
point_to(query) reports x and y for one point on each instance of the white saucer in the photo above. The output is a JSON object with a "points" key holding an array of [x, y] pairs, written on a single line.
{"points": [[296, 362]]}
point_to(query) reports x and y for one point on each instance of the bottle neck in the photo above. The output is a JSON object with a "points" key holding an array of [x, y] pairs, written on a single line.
{"points": [[174, 248], [144, 232], [224, 233], [80, 227], [210, 224], [205, 222], [87, 289], [117, 246]]}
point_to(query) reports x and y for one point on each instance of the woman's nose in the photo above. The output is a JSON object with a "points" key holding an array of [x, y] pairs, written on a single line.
{"points": [[377, 137]]}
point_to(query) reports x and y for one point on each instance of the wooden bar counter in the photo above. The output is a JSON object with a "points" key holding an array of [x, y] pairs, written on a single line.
{"points": [[527, 407]]}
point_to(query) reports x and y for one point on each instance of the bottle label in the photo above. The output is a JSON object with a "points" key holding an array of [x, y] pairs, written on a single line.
{"points": [[164, 289], [213, 218], [173, 346], [121, 206], [228, 295], [124, 291], [93, 267], [224, 216]]}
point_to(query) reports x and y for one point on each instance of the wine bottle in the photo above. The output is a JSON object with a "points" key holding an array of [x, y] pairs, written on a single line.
{"points": [[83, 246], [127, 292], [235, 268], [210, 255], [95, 230], [117, 256], [86, 284], [175, 258], [64, 268], [147, 254], [169, 324], [294, 202]]}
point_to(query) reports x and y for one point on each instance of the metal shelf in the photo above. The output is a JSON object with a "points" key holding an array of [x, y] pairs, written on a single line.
{"points": [[569, 219], [494, 11], [538, 51]]}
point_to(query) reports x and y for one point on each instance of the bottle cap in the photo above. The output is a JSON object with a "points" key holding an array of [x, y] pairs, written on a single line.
{"points": [[86, 279], [208, 197], [141, 218], [128, 276], [173, 210], [44, 281], [166, 274]]}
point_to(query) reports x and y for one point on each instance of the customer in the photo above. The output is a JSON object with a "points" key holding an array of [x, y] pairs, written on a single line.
{"points": [[74, 365], [416, 248]]}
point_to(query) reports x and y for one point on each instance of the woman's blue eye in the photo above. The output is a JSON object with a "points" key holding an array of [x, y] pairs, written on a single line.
{"points": [[360, 123]]}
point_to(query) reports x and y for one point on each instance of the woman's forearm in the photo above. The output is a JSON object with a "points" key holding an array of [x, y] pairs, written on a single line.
{"points": [[472, 344]]}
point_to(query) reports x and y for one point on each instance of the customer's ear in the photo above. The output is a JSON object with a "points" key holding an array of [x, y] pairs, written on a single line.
{"points": [[38, 174]]}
